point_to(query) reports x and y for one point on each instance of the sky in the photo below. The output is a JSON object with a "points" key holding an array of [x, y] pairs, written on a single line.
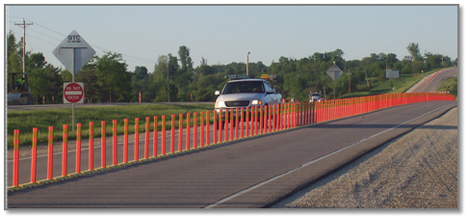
{"points": [[223, 34]]}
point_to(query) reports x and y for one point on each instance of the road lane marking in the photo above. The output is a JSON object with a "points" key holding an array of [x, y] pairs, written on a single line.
{"points": [[312, 162]]}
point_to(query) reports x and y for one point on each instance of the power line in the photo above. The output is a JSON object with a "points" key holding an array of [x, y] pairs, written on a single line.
{"points": [[50, 30], [98, 47], [44, 34]]}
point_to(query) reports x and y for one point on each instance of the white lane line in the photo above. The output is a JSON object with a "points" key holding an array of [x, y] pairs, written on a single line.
{"points": [[310, 162]]}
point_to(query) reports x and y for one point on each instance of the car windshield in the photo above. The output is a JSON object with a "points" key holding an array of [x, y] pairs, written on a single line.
{"points": [[315, 96], [244, 87]]}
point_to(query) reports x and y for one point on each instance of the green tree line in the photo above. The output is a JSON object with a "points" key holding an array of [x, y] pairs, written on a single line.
{"points": [[107, 79]]}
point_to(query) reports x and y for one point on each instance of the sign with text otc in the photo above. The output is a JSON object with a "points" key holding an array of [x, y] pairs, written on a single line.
{"points": [[334, 72], [73, 52], [73, 92]]}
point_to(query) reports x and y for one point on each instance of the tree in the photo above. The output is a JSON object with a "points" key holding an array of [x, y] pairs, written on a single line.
{"points": [[140, 83], [433, 61], [112, 78], [88, 76], [44, 79], [417, 65], [391, 59], [13, 59], [13, 55], [185, 59]]}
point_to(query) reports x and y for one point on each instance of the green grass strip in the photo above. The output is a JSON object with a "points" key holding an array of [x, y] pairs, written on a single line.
{"points": [[25, 120]]}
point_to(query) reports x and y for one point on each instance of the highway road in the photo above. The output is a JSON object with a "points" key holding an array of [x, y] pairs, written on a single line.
{"points": [[432, 82], [255, 172]]}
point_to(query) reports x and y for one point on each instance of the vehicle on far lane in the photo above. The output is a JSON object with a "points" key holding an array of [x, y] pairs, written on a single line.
{"points": [[315, 97]]}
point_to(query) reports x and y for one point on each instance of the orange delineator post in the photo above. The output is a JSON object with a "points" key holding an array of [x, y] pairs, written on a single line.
{"points": [[91, 146], [281, 119], [65, 150], [207, 127], [231, 124], [187, 136], [265, 119], [273, 118], [181, 122], [103, 144], [195, 124], [220, 124], [226, 123], [313, 113], [147, 135], [305, 113], [114, 142], [34, 156], [242, 122], [125, 148], [293, 115], [163, 135], [155, 136], [269, 118], [202, 129], [215, 131], [284, 118], [261, 119], [247, 122], [16, 157], [255, 120], [78, 148], [172, 147], [136, 148], [50, 158], [237, 123]]}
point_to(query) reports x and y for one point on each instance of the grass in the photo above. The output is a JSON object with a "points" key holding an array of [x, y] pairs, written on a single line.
{"points": [[450, 85], [25, 120], [401, 84]]}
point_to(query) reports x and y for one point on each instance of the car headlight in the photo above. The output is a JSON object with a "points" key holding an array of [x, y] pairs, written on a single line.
{"points": [[256, 102], [219, 103]]}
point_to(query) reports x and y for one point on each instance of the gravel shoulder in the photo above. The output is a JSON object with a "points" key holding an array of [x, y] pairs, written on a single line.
{"points": [[416, 170]]}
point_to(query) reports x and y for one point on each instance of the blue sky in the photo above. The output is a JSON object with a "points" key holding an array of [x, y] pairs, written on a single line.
{"points": [[225, 34]]}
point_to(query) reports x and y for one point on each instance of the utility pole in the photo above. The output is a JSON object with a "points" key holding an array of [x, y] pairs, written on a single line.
{"points": [[247, 67], [24, 25], [349, 79], [367, 79], [168, 87]]}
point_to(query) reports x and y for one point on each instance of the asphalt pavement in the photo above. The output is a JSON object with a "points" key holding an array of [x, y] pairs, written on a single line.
{"points": [[255, 172]]}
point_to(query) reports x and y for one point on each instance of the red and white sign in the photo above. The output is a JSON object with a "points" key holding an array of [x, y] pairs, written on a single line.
{"points": [[73, 92]]}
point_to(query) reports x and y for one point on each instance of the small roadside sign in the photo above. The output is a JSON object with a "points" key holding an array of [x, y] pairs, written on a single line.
{"points": [[334, 72], [389, 73], [73, 92]]}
